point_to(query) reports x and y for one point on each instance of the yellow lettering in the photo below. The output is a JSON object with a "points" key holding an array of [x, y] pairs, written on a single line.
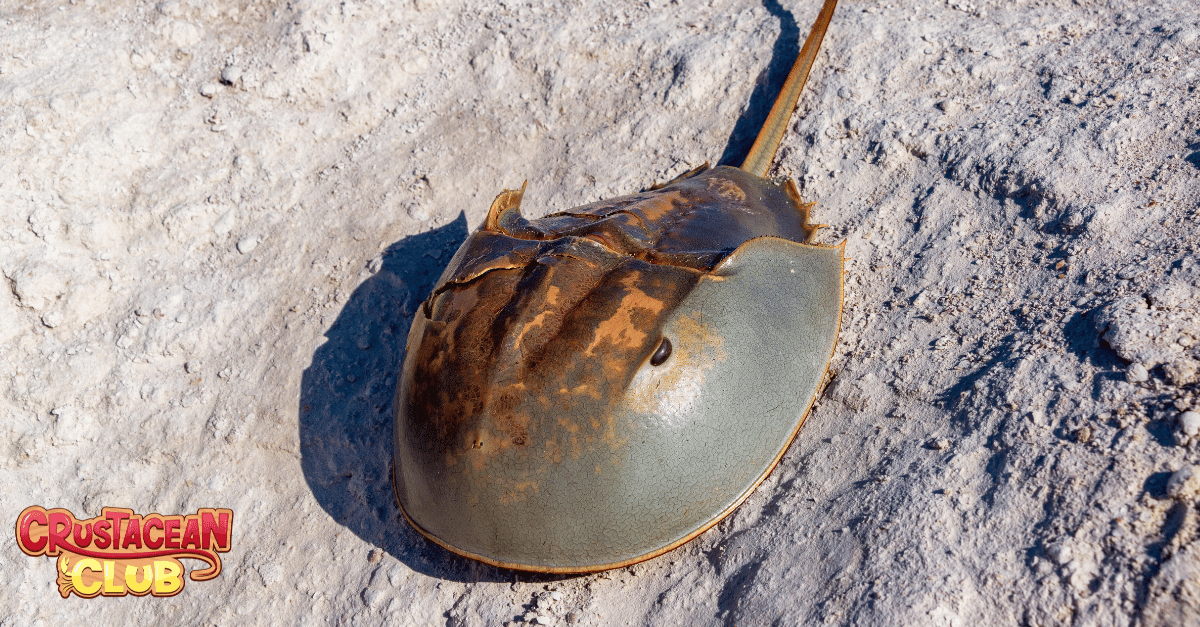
{"points": [[131, 579], [166, 578], [111, 587], [77, 576]]}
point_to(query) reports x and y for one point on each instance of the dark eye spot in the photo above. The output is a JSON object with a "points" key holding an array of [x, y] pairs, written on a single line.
{"points": [[663, 352]]}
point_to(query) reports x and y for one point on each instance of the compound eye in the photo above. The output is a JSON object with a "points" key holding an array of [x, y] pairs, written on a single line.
{"points": [[663, 352]]}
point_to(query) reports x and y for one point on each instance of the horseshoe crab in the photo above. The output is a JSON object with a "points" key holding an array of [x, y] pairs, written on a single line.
{"points": [[596, 387]]}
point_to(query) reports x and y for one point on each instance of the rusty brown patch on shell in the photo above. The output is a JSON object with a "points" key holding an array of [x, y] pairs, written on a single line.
{"points": [[523, 362], [727, 189]]}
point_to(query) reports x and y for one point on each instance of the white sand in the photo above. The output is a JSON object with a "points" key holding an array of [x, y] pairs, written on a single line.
{"points": [[217, 217]]}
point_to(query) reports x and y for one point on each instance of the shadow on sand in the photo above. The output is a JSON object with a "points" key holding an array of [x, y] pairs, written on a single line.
{"points": [[346, 398], [766, 86]]}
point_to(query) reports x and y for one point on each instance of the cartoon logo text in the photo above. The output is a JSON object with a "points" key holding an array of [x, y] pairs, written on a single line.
{"points": [[119, 552]]}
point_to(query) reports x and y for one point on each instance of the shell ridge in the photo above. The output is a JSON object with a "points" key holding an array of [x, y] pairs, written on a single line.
{"points": [[686, 175]]}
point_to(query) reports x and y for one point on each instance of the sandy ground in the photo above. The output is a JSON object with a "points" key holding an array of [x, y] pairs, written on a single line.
{"points": [[218, 216]]}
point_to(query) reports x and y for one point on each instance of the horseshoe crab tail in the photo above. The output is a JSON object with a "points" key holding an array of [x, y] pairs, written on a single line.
{"points": [[767, 142]]}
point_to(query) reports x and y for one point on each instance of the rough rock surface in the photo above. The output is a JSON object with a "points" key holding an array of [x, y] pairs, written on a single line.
{"points": [[219, 215]]}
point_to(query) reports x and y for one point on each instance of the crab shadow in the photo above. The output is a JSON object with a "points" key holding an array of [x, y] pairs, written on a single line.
{"points": [[766, 86], [346, 393]]}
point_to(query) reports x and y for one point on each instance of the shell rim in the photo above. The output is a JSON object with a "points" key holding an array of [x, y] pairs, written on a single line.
{"points": [[583, 570]]}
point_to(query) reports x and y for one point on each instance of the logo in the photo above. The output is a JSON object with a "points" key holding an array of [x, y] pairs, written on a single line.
{"points": [[119, 552]]}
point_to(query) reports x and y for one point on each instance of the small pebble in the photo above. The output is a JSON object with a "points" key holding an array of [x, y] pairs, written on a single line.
{"points": [[231, 74], [375, 555], [1137, 373], [52, 319], [1060, 553], [1130, 271], [374, 597], [208, 90], [418, 212], [247, 244], [1182, 483], [1189, 423], [543, 620], [1181, 372]]}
